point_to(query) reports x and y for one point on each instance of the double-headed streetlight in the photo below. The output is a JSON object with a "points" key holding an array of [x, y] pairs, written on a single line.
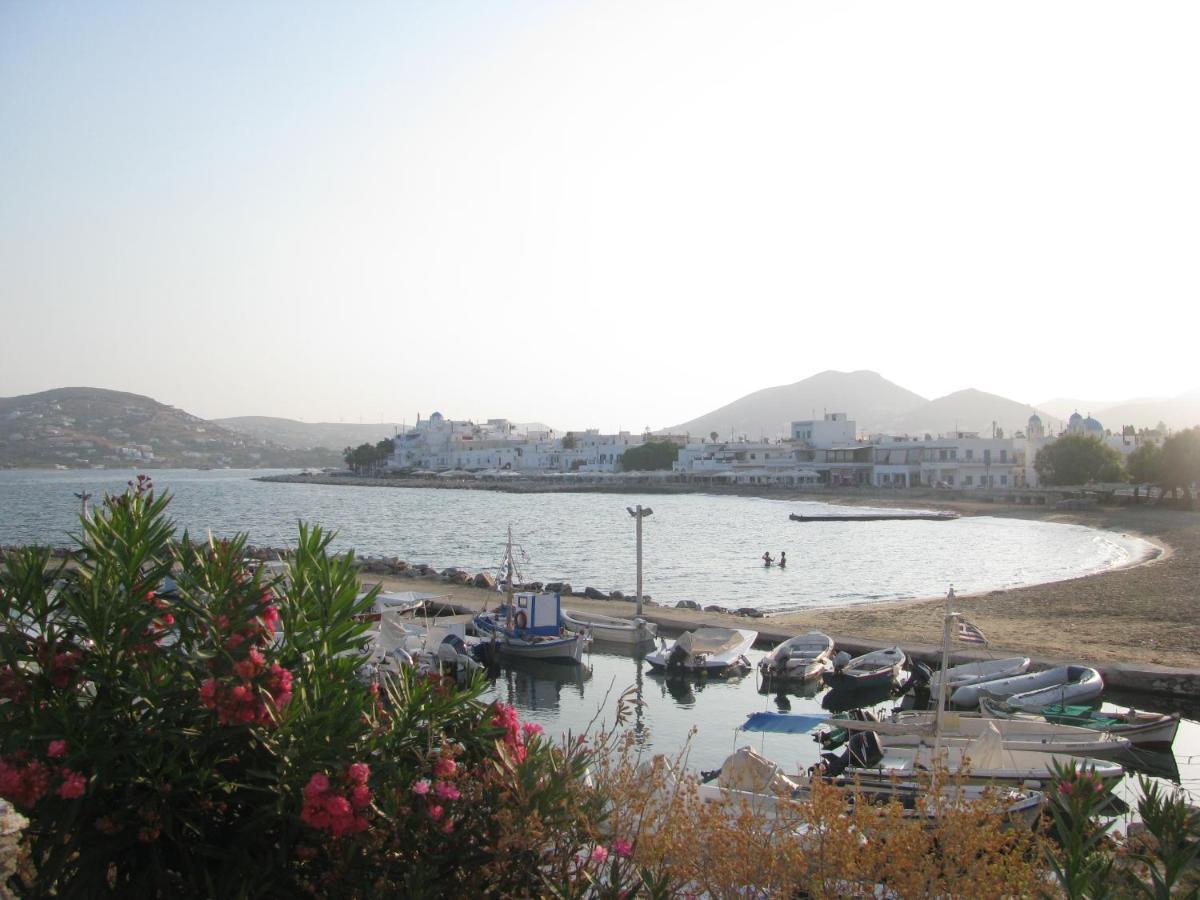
{"points": [[639, 514]]}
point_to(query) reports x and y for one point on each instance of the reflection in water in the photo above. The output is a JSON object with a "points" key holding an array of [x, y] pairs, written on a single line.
{"points": [[703, 713], [531, 684]]}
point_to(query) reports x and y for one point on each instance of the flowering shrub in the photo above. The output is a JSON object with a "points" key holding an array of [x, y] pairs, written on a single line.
{"points": [[217, 740]]}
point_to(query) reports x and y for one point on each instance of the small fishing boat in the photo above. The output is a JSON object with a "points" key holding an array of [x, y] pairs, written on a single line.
{"points": [[801, 658], [529, 625], [977, 672], [747, 778], [912, 729], [981, 760], [531, 628], [1146, 730], [879, 667], [610, 629], [708, 650], [1033, 690]]}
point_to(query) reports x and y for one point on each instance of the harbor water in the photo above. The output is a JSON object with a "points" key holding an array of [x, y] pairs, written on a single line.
{"points": [[700, 547]]}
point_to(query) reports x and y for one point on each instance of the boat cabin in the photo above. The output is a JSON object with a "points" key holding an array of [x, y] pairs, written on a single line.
{"points": [[537, 614]]}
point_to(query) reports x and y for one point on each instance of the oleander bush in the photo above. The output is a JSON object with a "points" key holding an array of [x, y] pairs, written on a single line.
{"points": [[218, 740], [172, 745]]}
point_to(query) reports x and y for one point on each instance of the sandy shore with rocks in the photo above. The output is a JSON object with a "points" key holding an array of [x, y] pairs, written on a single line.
{"points": [[1145, 613]]}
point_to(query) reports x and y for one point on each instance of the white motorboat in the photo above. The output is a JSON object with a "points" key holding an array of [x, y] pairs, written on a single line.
{"points": [[911, 729], [976, 672], [436, 645], [1145, 730], [610, 629], [1059, 685], [879, 667], [800, 658], [749, 778], [709, 649], [982, 760]]}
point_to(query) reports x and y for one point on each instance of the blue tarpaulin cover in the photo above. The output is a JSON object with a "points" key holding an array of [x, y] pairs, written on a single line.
{"points": [[783, 723]]}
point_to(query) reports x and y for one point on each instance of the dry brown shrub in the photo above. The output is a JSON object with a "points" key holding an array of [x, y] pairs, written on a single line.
{"points": [[815, 845]]}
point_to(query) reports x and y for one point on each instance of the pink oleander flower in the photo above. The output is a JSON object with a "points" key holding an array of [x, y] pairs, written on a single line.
{"points": [[318, 783], [599, 855], [358, 772], [444, 768], [421, 787], [360, 796], [622, 848], [58, 749], [447, 791], [73, 785], [436, 813], [529, 729]]}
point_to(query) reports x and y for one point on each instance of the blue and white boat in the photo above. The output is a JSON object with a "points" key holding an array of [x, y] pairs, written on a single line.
{"points": [[530, 626]]}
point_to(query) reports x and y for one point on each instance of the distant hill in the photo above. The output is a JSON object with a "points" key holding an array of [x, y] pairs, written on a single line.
{"points": [[1177, 412], [969, 410], [308, 435], [82, 427], [1062, 407], [866, 397]]}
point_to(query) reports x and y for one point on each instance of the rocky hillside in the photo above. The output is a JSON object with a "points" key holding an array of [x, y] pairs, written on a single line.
{"points": [[89, 427], [309, 435]]}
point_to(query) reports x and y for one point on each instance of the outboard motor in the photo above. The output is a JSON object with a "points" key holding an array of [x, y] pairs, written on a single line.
{"points": [[840, 659], [864, 750], [677, 657]]}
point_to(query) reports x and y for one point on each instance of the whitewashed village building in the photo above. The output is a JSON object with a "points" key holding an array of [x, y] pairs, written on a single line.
{"points": [[439, 444]]}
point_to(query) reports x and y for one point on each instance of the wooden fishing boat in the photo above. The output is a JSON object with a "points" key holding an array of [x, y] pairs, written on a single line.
{"points": [[1146, 730], [747, 778]]}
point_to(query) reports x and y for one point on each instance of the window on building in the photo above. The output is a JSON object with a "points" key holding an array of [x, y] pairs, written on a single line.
{"points": [[1003, 479], [1003, 456], [970, 455], [967, 480]]}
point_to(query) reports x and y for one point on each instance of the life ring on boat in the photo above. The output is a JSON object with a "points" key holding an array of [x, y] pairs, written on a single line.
{"points": [[521, 620]]}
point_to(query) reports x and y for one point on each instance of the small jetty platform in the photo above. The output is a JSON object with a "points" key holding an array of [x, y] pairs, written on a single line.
{"points": [[880, 517]]}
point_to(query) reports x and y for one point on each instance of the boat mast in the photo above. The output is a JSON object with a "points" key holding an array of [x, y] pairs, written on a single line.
{"points": [[508, 576], [947, 619]]}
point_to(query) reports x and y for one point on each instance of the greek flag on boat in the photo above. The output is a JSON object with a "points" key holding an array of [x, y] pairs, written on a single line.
{"points": [[970, 634]]}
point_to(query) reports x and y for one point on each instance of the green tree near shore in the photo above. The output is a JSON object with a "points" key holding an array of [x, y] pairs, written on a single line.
{"points": [[1145, 466], [1181, 462], [1078, 459], [650, 456], [368, 459]]}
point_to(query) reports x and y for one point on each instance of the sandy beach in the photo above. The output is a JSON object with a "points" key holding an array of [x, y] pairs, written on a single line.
{"points": [[1146, 613]]}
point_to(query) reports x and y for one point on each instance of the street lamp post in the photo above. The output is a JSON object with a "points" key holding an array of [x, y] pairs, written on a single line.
{"points": [[639, 514]]}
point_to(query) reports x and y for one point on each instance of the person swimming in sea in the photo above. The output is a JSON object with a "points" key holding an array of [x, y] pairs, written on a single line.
{"points": [[783, 559], [767, 558]]}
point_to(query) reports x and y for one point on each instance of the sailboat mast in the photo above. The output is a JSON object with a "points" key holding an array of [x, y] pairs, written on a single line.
{"points": [[943, 678], [508, 576]]}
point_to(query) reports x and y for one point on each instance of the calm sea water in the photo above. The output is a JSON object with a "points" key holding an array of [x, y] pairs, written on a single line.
{"points": [[695, 546], [702, 714]]}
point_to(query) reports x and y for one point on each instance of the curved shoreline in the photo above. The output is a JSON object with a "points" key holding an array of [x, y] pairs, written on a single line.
{"points": [[1147, 611]]}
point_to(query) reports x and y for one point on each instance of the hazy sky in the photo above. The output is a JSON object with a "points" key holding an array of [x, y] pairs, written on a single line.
{"points": [[607, 214]]}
